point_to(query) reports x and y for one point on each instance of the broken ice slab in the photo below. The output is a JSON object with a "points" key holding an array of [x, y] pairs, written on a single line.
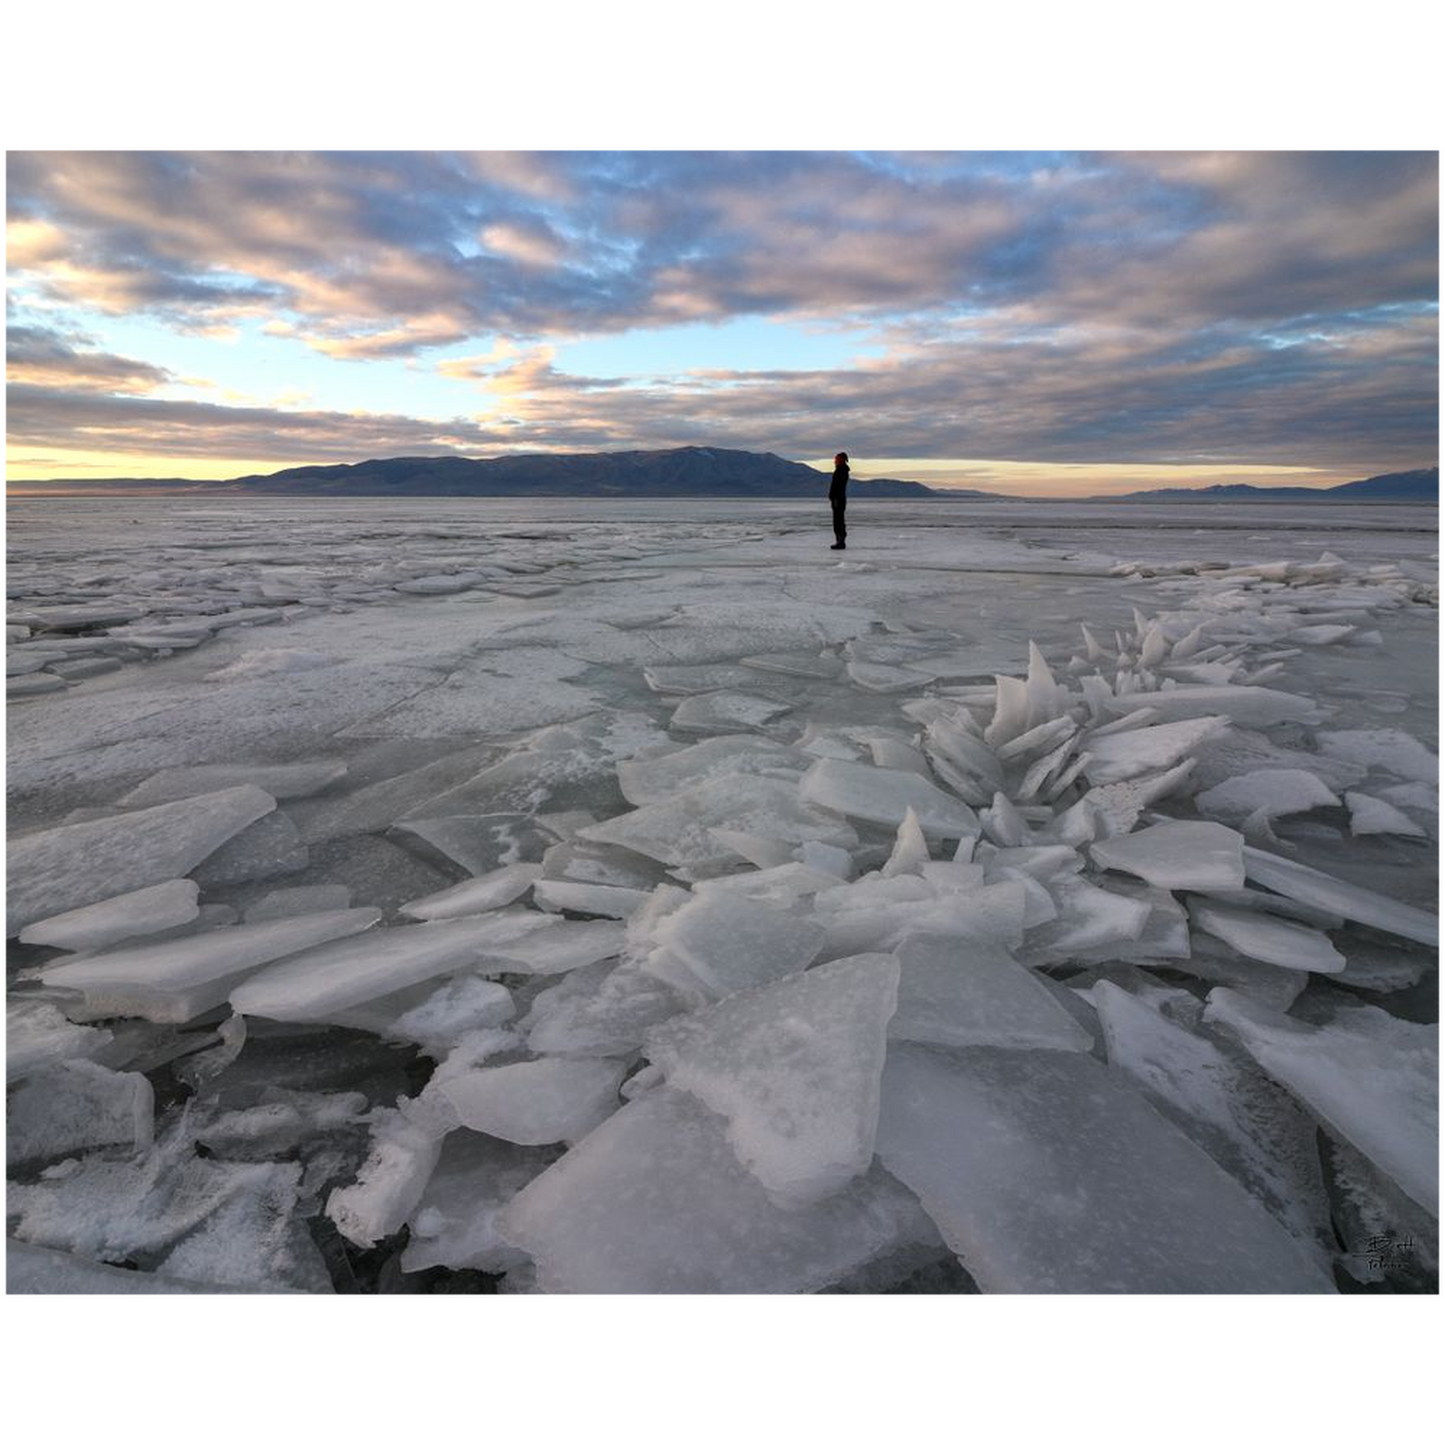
{"points": [[783, 885], [885, 677], [1199, 856], [74, 1106], [183, 978], [583, 861], [38, 1035], [1278, 792], [724, 712], [794, 1068], [1116, 806], [730, 943], [960, 992], [406, 1143], [601, 900], [1257, 934], [1386, 748], [1371, 1077], [69, 867], [1048, 1174], [474, 843], [1370, 816], [477, 895], [1089, 918], [605, 1018], [559, 949], [1228, 1107], [651, 779], [678, 830], [323, 981], [1334, 895], [884, 795], [454, 1224], [147, 910], [1124, 755], [910, 848], [655, 1202], [441, 1016], [994, 913], [281, 780], [1251, 707], [540, 1101]]}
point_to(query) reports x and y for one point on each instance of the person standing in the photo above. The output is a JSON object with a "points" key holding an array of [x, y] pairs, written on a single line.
{"points": [[838, 496]]}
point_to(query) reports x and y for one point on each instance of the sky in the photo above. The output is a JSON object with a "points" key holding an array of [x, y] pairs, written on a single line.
{"points": [[1040, 324]]}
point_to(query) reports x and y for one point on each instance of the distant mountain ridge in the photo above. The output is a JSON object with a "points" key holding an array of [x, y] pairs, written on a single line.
{"points": [[677, 471], [1421, 485]]}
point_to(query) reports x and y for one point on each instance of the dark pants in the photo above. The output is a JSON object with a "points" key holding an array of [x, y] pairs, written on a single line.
{"points": [[840, 505]]}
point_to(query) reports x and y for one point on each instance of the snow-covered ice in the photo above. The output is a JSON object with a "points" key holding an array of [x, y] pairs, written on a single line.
{"points": [[670, 908]]}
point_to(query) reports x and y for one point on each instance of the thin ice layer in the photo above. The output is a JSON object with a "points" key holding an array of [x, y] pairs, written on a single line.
{"points": [[540, 1101], [1200, 856], [1047, 1174], [146, 910], [655, 1202], [885, 795]]}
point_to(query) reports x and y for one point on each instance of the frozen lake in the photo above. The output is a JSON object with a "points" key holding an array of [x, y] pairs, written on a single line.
{"points": [[460, 862]]}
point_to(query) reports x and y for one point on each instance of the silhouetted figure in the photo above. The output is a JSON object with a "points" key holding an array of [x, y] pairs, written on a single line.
{"points": [[838, 496]]}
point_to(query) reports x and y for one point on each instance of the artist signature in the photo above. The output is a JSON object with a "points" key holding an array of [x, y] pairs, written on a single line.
{"points": [[1387, 1251]]}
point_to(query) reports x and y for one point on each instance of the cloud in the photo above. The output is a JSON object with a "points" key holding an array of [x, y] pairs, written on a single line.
{"points": [[40, 357]]}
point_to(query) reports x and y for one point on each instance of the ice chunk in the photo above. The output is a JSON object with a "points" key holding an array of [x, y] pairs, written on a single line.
{"points": [[884, 795], [1386, 748], [961, 992], [730, 943], [794, 1068], [181, 979], [713, 712], [74, 1106], [405, 1145], [784, 885], [1123, 755], [764, 853], [1089, 918], [37, 1035], [561, 948], [29, 1269], [1117, 806], [1334, 895], [652, 779], [655, 1202], [608, 1019], [323, 981], [460, 1006], [147, 910], [543, 1101], [1253, 707], [1271, 940], [1370, 816], [477, 895], [281, 780], [1275, 791], [1237, 1116], [1048, 1174], [1372, 1078], [678, 831], [603, 900], [710, 677], [1177, 855], [884, 677], [455, 1222], [910, 850], [69, 867], [994, 913], [796, 664]]}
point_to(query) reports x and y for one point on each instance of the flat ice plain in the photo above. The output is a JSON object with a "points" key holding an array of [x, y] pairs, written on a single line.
{"points": [[640, 897]]}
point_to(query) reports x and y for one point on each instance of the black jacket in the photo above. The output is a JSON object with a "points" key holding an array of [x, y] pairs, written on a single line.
{"points": [[839, 490]]}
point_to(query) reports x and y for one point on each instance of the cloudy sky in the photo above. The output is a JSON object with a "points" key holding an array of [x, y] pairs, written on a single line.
{"points": [[1038, 323]]}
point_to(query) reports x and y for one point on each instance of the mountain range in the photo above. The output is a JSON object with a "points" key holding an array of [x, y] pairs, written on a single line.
{"points": [[675, 472]]}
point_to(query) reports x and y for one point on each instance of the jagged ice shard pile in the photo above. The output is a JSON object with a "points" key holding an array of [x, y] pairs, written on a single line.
{"points": [[693, 943]]}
